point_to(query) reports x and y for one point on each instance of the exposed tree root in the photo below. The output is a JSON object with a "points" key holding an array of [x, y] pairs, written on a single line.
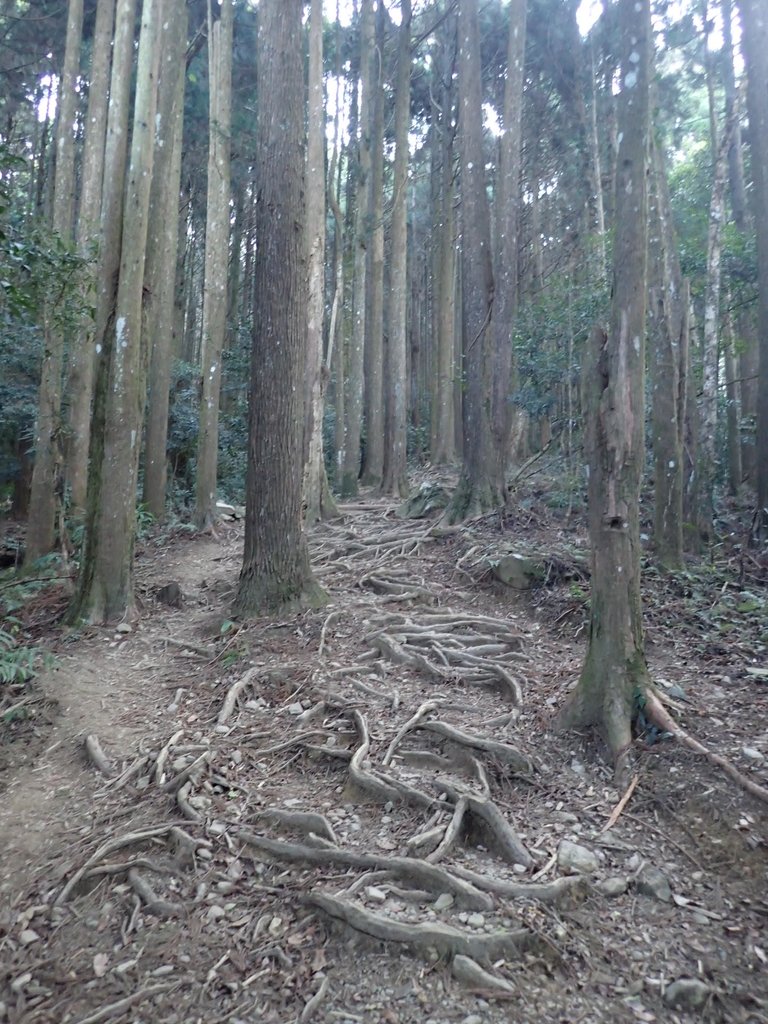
{"points": [[426, 937], [417, 872], [232, 695], [110, 846], [118, 1008], [484, 816], [154, 903], [658, 714], [97, 757], [470, 973], [505, 754], [304, 822], [564, 893]]}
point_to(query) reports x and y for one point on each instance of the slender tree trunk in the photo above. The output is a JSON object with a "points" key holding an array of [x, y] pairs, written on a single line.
{"points": [[733, 407], [373, 464], [395, 460], [444, 305], [481, 486], [668, 362], [507, 218], [614, 674], [276, 575], [162, 249], [216, 260], [105, 590], [754, 42], [354, 403], [47, 478], [711, 351], [82, 359], [317, 496]]}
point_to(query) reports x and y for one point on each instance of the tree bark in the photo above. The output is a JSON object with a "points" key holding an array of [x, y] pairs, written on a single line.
{"points": [[276, 577], [614, 674]]}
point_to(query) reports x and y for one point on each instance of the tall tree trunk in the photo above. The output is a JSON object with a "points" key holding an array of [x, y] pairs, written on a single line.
{"points": [[754, 41], [507, 218], [481, 486], [105, 590], [395, 456], [669, 369], [444, 303], [733, 406], [614, 671], [47, 479], [216, 259], [711, 350], [82, 359], [318, 500], [354, 402], [162, 250], [373, 463], [276, 575]]}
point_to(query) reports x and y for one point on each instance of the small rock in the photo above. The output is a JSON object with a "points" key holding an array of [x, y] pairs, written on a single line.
{"points": [[161, 972], [124, 627], [686, 994], [28, 936], [752, 754], [443, 901], [654, 883], [475, 920], [614, 886], [576, 859], [473, 1018], [236, 757], [217, 828], [385, 844], [634, 862], [295, 709], [19, 984], [215, 913], [373, 893]]}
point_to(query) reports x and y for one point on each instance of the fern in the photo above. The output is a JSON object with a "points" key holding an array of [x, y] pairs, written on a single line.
{"points": [[17, 664]]}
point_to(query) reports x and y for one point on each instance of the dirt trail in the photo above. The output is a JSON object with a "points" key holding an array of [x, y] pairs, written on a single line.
{"points": [[116, 685], [362, 814]]}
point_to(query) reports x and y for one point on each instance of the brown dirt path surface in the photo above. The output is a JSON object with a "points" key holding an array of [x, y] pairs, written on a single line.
{"points": [[364, 814]]}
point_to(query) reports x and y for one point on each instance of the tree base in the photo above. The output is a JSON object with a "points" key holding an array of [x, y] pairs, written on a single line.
{"points": [[472, 498], [258, 596]]}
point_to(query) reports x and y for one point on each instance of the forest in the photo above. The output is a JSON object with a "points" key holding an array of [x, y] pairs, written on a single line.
{"points": [[383, 510]]}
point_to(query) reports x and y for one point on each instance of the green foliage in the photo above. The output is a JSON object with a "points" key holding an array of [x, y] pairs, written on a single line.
{"points": [[17, 663]]}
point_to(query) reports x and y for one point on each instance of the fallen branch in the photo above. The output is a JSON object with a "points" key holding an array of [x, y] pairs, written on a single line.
{"points": [[658, 714], [616, 812], [232, 694], [312, 1004], [118, 1008]]}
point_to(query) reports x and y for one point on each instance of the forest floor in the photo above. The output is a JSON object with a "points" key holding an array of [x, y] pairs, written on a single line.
{"points": [[365, 814]]}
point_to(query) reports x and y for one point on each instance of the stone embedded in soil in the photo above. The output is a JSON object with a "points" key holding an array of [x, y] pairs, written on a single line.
{"points": [[614, 886], [443, 901], [576, 859], [476, 920], [752, 754], [686, 994], [654, 883], [28, 936]]}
